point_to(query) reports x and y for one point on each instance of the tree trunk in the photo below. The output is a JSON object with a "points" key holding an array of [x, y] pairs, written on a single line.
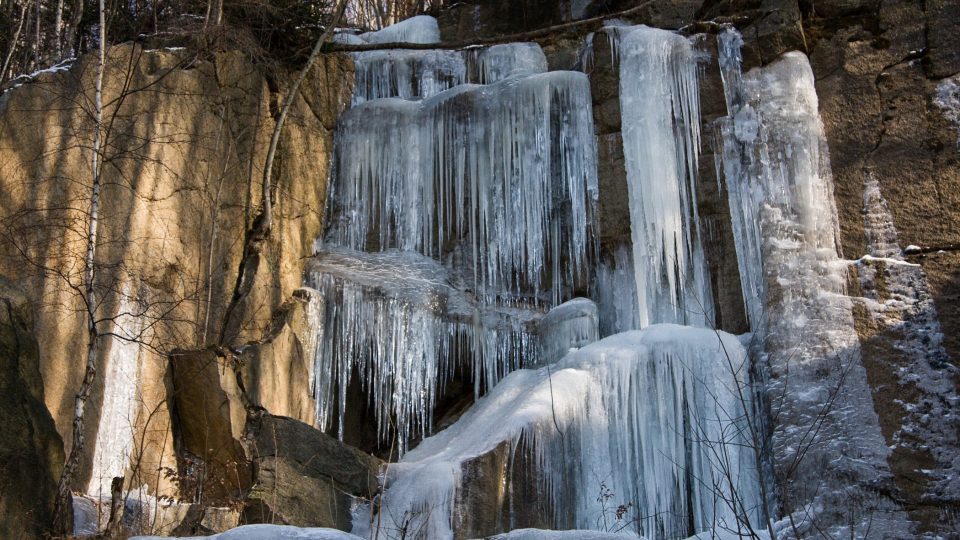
{"points": [[57, 30], [70, 38], [267, 215], [63, 511], [115, 525], [13, 42]]}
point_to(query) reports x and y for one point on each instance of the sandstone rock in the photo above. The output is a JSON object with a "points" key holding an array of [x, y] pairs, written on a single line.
{"points": [[31, 456], [303, 476], [180, 191]]}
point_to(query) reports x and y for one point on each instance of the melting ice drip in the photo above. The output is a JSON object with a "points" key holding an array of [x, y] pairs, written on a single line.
{"points": [[114, 441], [395, 319], [655, 414], [660, 104]]}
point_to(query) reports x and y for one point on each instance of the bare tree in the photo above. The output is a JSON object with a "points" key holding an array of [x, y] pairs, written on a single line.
{"points": [[266, 221], [63, 512]]}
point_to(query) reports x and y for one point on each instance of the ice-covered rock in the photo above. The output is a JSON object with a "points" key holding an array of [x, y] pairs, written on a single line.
{"points": [[655, 417], [269, 532], [567, 327]]}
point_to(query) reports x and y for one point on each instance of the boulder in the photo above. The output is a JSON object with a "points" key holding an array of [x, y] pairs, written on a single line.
{"points": [[304, 477], [31, 456]]}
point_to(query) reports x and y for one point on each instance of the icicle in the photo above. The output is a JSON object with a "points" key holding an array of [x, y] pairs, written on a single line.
{"points": [[659, 98], [655, 414], [406, 73]]}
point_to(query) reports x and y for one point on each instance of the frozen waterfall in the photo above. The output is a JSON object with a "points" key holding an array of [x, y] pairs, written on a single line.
{"points": [[776, 166], [656, 416], [114, 441], [460, 233], [504, 173]]}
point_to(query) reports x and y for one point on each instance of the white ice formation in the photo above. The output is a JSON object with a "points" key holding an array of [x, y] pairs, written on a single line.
{"points": [[777, 172], [567, 327], [394, 319], [503, 173], [657, 416], [411, 74], [121, 383], [660, 104], [615, 289]]}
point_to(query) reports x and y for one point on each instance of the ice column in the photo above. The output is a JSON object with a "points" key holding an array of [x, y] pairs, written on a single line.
{"points": [[114, 440], [659, 99], [777, 171]]}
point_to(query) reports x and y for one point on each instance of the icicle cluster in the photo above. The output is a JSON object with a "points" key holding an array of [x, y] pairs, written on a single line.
{"points": [[394, 319], [657, 415], [506, 171], [660, 104], [411, 74]]}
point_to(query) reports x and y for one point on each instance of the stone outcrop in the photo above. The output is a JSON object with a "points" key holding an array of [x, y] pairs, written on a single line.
{"points": [[214, 390], [183, 158], [304, 477], [31, 456]]}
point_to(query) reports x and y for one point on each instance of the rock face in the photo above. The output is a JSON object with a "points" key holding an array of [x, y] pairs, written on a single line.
{"points": [[31, 456], [214, 390], [183, 162], [182, 189]]}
